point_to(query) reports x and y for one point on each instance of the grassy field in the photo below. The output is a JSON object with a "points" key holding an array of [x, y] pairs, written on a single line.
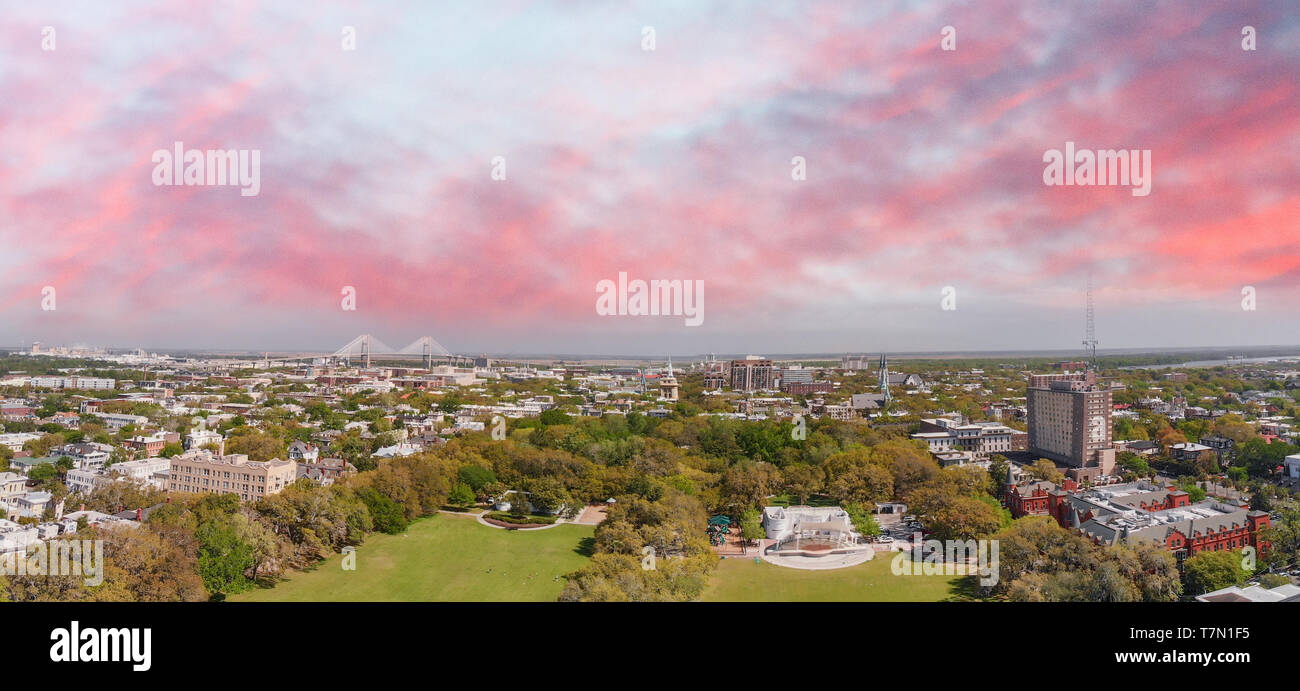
{"points": [[741, 580], [443, 558]]}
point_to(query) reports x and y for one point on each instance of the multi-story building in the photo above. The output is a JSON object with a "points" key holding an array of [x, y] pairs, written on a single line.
{"points": [[839, 412], [1069, 420], [146, 446], [855, 362], [325, 470], [716, 374], [1291, 466], [15, 440], [84, 481], [85, 456], [25, 464], [751, 374], [15, 411], [715, 379], [200, 438], [980, 439], [204, 471], [12, 485], [1141, 512], [116, 421], [1188, 452], [149, 471], [1222, 446], [85, 383], [807, 388], [791, 375], [1141, 447]]}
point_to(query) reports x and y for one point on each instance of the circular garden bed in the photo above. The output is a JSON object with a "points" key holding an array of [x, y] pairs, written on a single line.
{"points": [[515, 521]]}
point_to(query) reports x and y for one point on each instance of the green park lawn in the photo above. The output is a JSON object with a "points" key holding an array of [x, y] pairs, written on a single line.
{"points": [[443, 558], [741, 580]]}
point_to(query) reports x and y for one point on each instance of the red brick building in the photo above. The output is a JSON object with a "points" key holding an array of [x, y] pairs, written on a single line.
{"points": [[1141, 512]]}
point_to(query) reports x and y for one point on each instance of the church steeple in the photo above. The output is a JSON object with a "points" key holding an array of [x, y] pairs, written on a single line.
{"points": [[884, 378]]}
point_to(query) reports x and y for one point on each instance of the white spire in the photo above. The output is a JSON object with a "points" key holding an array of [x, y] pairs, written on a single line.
{"points": [[670, 365]]}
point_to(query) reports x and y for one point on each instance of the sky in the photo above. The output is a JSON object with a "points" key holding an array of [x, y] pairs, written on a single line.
{"points": [[665, 160]]}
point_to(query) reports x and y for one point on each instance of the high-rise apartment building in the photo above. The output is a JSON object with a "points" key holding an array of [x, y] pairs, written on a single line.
{"points": [[1069, 420], [751, 373]]}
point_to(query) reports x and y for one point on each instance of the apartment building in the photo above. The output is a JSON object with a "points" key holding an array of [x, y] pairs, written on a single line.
{"points": [[1069, 420], [204, 471], [84, 383], [751, 374]]}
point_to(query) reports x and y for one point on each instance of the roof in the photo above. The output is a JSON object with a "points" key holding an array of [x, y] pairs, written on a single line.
{"points": [[1026, 490], [1189, 446], [28, 460], [1254, 593]]}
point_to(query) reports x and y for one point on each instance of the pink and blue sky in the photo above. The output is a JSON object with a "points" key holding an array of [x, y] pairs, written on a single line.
{"points": [[924, 171]]}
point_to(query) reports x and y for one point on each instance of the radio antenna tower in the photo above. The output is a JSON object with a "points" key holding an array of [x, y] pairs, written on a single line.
{"points": [[1090, 330]]}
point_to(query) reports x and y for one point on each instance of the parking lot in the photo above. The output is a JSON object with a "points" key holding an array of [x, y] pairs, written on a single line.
{"points": [[896, 528]]}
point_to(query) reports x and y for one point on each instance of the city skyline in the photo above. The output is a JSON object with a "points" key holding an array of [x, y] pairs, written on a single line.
{"points": [[1234, 353], [923, 171]]}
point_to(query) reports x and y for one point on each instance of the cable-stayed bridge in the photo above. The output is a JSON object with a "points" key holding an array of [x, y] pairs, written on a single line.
{"points": [[365, 346]]}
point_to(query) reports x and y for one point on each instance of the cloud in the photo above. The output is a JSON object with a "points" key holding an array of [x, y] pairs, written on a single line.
{"points": [[924, 169]]}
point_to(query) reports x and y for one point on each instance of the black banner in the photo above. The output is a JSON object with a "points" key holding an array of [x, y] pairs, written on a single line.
{"points": [[564, 642]]}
